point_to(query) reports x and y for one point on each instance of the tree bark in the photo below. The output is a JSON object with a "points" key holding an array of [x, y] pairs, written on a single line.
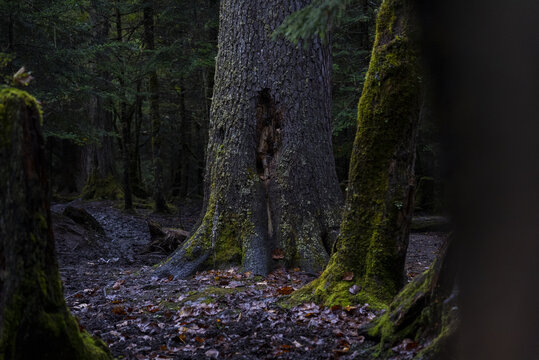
{"points": [[425, 310], [270, 182], [34, 320], [125, 121], [101, 176], [371, 247], [155, 119]]}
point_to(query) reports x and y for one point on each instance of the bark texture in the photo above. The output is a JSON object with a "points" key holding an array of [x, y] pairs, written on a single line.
{"points": [[34, 320], [270, 182], [372, 244], [427, 308]]}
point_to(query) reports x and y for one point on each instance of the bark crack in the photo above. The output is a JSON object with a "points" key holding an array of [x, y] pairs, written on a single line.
{"points": [[268, 131]]}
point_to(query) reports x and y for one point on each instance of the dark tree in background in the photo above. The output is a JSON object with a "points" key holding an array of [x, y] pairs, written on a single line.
{"points": [[270, 183], [34, 320], [155, 119]]}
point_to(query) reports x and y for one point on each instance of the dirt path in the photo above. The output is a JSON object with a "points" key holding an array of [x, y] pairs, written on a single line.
{"points": [[216, 314]]}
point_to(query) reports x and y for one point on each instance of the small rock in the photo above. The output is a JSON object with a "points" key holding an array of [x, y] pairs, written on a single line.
{"points": [[354, 289], [212, 353]]}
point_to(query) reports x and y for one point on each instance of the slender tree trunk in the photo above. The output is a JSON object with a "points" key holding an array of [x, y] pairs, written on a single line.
{"points": [[10, 33], [371, 248], [100, 180], [34, 320], [155, 119], [270, 185], [185, 132], [125, 121], [135, 171]]}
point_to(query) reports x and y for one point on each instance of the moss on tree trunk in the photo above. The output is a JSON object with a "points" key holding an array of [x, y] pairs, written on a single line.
{"points": [[425, 310], [271, 191], [372, 244], [34, 320]]}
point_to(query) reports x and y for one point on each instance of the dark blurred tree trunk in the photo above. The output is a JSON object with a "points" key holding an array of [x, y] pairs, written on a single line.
{"points": [[371, 248], [34, 320], [485, 93], [270, 183], [155, 120]]}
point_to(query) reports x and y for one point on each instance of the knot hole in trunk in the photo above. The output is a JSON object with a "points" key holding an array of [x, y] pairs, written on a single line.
{"points": [[268, 133]]}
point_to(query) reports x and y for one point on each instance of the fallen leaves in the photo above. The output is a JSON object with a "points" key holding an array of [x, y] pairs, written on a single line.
{"points": [[278, 254], [219, 314], [407, 348], [354, 289], [118, 284], [119, 310], [285, 290], [348, 276]]}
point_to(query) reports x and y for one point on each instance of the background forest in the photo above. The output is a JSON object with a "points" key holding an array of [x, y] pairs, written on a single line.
{"points": [[99, 67]]}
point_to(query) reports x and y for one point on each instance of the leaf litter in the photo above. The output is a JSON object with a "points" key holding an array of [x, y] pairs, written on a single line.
{"points": [[219, 314], [216, 314]]}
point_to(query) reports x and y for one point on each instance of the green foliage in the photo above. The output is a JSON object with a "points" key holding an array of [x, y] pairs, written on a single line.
{"points": [[315, 19]]}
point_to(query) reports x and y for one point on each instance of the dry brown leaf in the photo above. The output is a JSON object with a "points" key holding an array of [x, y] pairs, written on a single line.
{"points": [[285, 290], [119, 310], [348, 276], [278, 254]]}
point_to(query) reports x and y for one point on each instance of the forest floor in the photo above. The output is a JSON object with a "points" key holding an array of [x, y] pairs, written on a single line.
{"points": [[225, 314]]}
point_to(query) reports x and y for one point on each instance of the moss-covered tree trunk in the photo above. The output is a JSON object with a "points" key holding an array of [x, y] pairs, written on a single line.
{"points": [[426, 311], [271, 192], [371, 248], [34, 320], [155, 120]]}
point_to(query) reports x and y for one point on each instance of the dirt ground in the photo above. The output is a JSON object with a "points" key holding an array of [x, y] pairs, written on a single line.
{"points": [[223, 314]]}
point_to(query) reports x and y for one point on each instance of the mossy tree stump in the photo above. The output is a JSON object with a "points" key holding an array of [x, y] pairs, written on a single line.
{"points": [[371, 248], [34, 320]]}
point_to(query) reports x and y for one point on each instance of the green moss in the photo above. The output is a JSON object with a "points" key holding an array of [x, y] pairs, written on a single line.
{"points": [[207, 295], [373, 227], [11, 100], [98, 188]]}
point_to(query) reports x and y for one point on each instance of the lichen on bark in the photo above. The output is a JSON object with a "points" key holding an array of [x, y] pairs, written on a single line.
{"points": [[34, 320], [374, 231]]}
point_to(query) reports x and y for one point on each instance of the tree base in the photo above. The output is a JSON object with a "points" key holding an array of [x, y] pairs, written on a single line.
{"points": [[54, 336], [425, 309], [98, 188], [343, 293]]}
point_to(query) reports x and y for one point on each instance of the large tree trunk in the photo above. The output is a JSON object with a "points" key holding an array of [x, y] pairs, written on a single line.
{"points": [[155, 119], [270, 183], [34, 320], [371, 248]]}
